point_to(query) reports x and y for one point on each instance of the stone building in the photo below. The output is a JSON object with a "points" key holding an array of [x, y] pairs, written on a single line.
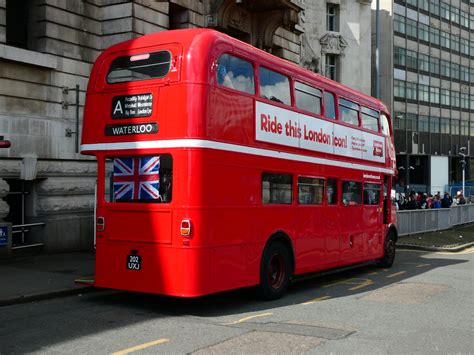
{"points": [[426, 76], [47, 48]]}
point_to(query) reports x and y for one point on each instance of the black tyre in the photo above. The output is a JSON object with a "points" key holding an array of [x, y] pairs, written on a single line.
{"points": [[388, 251], [275, 271]]}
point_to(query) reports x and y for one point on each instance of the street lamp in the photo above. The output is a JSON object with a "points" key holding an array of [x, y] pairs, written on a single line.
{"points": [[462, 154]]}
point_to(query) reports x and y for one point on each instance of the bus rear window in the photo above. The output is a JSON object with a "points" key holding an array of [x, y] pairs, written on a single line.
{"points": [[139, 67], [141, 179]]}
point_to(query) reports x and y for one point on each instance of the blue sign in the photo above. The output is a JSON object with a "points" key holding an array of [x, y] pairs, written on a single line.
{"points": [[3, 236]]}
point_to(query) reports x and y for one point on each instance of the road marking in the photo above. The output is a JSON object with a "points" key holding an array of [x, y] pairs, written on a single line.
{"points": [[423, 265], [372, 273], [250, 317], [356, 282], [397, 274], [364, 284], [322, 298], [141, 347]]}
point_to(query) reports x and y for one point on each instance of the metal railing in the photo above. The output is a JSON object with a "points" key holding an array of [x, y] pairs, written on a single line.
{"points": [[419, 221]]}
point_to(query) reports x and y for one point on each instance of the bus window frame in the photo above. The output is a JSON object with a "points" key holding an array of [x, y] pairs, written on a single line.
{"points": [[176, 50]]}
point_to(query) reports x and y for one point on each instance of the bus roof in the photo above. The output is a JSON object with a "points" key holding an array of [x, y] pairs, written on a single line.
{"points": [[203, 40]]}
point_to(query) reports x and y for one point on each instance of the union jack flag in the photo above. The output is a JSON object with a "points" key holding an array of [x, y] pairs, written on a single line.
{"points": [[137, 178]]}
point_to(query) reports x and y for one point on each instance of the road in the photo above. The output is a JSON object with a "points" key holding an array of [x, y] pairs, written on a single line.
{"points": [[423, 304]]}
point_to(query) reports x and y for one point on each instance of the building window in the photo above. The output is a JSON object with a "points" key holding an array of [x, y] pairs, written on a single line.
{"points": [[399, 55], [455, 43], [434, 95], [423, 32], [455, 71], [411, 28], [445, 39], [444, 125], [434, 66], [434, 7], [465, 101], [464, 128], [423, 124], [331, 66], [464, 73], [434, 36], [332, 17], [464, 46], [423, 62], [412, 59], [445, 68], [455, 101], [445, 97], [423, 93], [17, 23], [399, 88], [434, 124], [411, 91], [454, 126], [399, 24], [445, 11], [410, 121], [423, 5]]}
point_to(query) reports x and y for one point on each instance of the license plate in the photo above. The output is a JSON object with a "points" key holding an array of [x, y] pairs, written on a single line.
{"points": [[134, 262]]}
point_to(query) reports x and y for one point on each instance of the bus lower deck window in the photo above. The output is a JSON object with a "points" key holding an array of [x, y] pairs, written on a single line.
{"points": [[371, 194], [139, 179], [351, 193], [310, 191], [277, 188]]}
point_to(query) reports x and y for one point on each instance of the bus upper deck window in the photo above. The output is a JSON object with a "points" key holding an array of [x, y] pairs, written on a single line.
{"points": [[308, 98], [370, 119], [274, 86], [329, 107], [139, 67], [235, 73], [349, 112], [384, 124]]}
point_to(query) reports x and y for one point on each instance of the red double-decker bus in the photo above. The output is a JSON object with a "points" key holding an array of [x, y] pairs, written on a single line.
{"points": [[221, 166]]}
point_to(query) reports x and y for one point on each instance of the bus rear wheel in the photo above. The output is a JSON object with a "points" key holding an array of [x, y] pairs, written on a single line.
{"points": [[388, 251], [275, 272]]}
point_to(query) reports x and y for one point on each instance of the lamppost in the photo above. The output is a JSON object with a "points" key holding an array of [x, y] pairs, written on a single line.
{"points": [[462, 154]]}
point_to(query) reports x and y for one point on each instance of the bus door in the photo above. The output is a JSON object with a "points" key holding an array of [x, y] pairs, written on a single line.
{"points": [[372, 216], [310, 221], [351, 223]]}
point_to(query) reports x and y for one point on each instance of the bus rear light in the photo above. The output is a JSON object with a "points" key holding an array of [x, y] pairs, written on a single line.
{"points": [[100, 226], [185, 228]]}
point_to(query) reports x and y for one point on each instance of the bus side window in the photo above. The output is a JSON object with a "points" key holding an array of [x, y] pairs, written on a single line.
{"points": [[277, 188], [349, 112], [371, 194], [331, 191], [308, 98], [370, 119], [235, 73], [274, 86], [329, 106], [384, 124], [310, 191], [351, 193]]}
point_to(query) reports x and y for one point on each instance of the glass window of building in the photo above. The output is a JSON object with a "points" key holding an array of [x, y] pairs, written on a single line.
{"points": [[464, 128], [423, 124], [444, 125], [399, 120], [472, 129], [331, 67], [423, 93], [454, 43], [471, 75], [399, 88], [423, 5], [434, 7], [454, 126], [464, 46], [434, 124], [455, 71], [399, 55], [423, 32], [412, 2], [434, 66], [455, 101], [464, 20], [411, 91], [445, 68], [455, 14], [423, 62], [464, 101], [434, 95], [332, 17], [399, 24], [411, 59], [445, 11], [411, 28], [434, 36], [445, 39], [464, 73], [445, 97], [410, 121]]}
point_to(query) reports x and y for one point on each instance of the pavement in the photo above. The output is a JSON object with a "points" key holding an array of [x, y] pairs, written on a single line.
{"points": [[31, 278]]}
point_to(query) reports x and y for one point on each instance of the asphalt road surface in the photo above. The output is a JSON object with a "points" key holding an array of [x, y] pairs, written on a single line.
{"points": [[423, 304]]}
